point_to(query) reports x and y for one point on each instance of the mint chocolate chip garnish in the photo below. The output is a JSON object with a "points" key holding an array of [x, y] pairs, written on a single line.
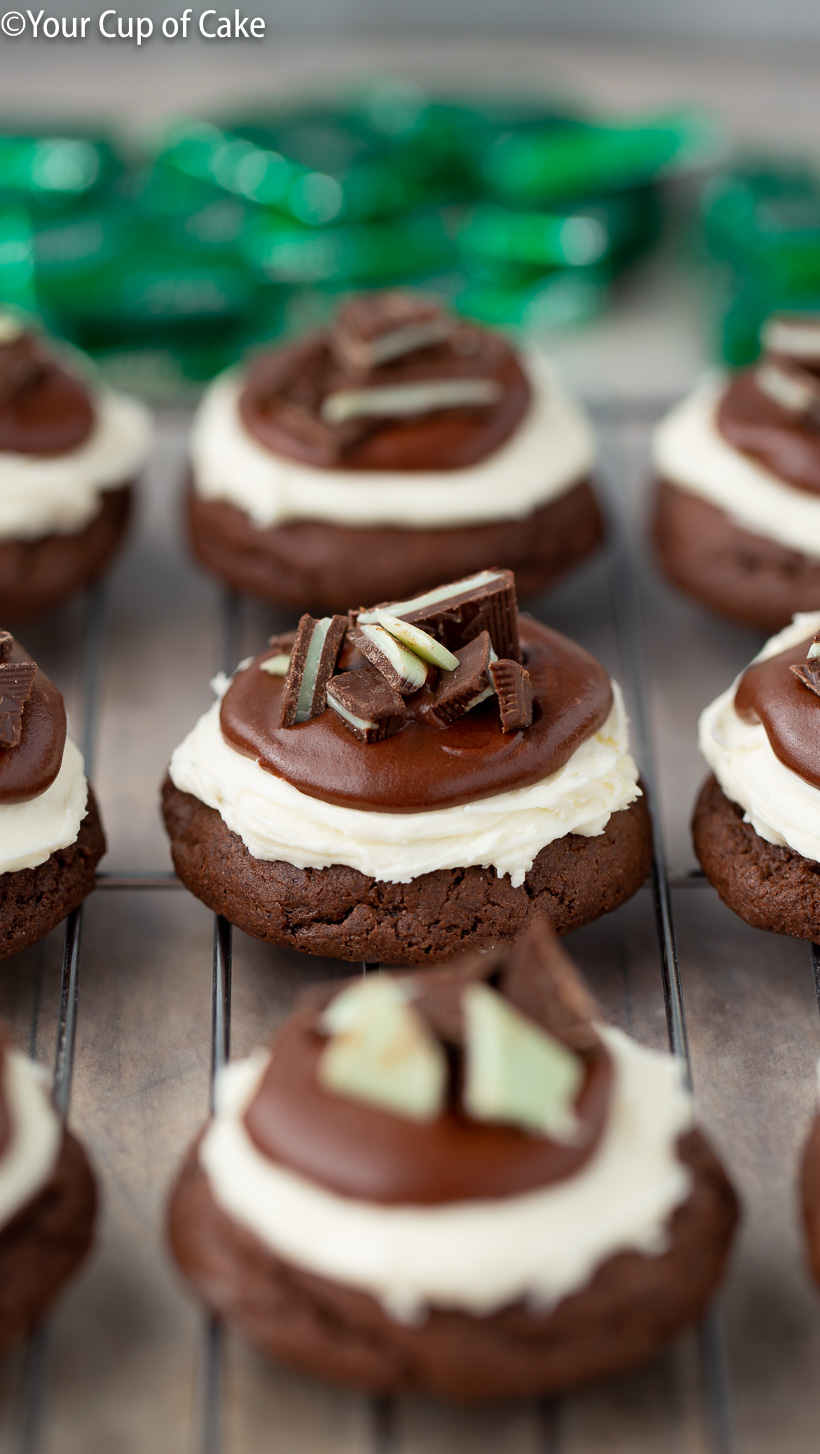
{"points": [[792, 388], [514, 691], [418, 641], [315, 651], [378, 328], [397, 401], [381, 1051], [369, 707], [405, 671], [457, 612], [809, 673], [460, 690], [16, 680]]}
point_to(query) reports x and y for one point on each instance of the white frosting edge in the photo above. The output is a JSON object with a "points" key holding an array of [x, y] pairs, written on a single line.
{"points": [[60, 494], [780, 806], [36, 1135], [552, 450], [689, 451], [31, 831], [476, 1256], [504, 831]]}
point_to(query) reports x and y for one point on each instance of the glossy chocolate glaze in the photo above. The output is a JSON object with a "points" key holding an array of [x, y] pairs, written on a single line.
{"points": [[425, 766], [51, 412], [447, 440], [770, 693], [31, 767], [358, 1150], [753, 423]]}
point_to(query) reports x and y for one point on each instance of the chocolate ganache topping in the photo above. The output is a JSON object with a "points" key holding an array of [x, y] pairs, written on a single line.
{"points": [[779, 694], [360, 1149], [408, 730], [5, 1117], [396, 383], [44, 408], [772, 411], [32, 725]]}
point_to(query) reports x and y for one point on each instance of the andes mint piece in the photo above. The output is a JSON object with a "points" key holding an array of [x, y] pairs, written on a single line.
{"points": [[312, 661], [803, 676], [418, 641], [790, 387], [457, 612], [286, 387], [6, 644], [808, 674], [405, 671], [381, 1051], [405, 400], [540, 980], [793, 336], [460, 690], [276, 666], [515, 1071], [367, 704], [20, 366], [514, 691], [380, 327], [16, 679]]}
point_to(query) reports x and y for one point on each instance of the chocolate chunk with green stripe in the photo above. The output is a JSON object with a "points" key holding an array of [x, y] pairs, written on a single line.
{"points": [[312, 661], [16, 681], [458, 612], [460, 690], [405, 671], [369, 707], [514, 691]]}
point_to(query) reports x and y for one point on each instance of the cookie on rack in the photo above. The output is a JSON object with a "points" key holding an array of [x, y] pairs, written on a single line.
{"points": [[461, 1183], [410, 781], [756, 826], [70, 453], [47, 1196], [737, 510], [397, 448], [51, 837]]}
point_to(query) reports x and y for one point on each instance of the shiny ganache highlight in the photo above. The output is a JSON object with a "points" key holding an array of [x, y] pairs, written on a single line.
{"points": [[45, 408], [32, 725], [396, 383], [363, 1151]]}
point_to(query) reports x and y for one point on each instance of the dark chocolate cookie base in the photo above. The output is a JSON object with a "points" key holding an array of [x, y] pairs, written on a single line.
{"points": [[37, 575], [316, 566], [34, 900], [632, 1307], [45, 1243], [742, 576], [342, 914], [810, 1196], [770, 887]]}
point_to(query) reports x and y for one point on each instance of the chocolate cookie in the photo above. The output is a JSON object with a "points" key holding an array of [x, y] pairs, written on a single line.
{"points": [[768, 886], [342, 914], [36, 575], [34, 900], [743, 576], [314, 565], [42, 1246], [810, 1196], [633, 1305]]}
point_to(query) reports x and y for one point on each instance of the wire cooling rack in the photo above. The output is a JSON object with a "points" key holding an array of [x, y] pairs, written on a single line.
{"points": [[382, 1437]]}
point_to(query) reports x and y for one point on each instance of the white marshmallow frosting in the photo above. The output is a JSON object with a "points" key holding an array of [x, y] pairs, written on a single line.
{"points": [[691, 453], [477, 1256], [504, 831], [60, 494], [780, 805], [551, 451]]}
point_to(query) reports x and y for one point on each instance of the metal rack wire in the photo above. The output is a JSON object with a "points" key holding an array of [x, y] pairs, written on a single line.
{"points": [[624, 580]]}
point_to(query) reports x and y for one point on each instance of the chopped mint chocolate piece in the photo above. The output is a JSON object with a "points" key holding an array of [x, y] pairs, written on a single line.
{"points": [[369, 707], [314, 655], [457, 612], [418, 641], [793, 336], [514, 691], [16, 680], [792, 388], [20, 365], [809, 673], [517, 1072], [399, 401], [381, 1052], [807, 679], [460, 690], [377, 328], [405, 671], [540, 980], [6, 644], [276, 666]]}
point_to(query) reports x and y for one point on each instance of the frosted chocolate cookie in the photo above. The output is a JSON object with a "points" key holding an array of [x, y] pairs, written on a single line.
{"points": [[757, 821], [47, 1197], [397, 449], [462, 1183], [737, 511], [51, 838], [411, 780], [69, 455]]}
